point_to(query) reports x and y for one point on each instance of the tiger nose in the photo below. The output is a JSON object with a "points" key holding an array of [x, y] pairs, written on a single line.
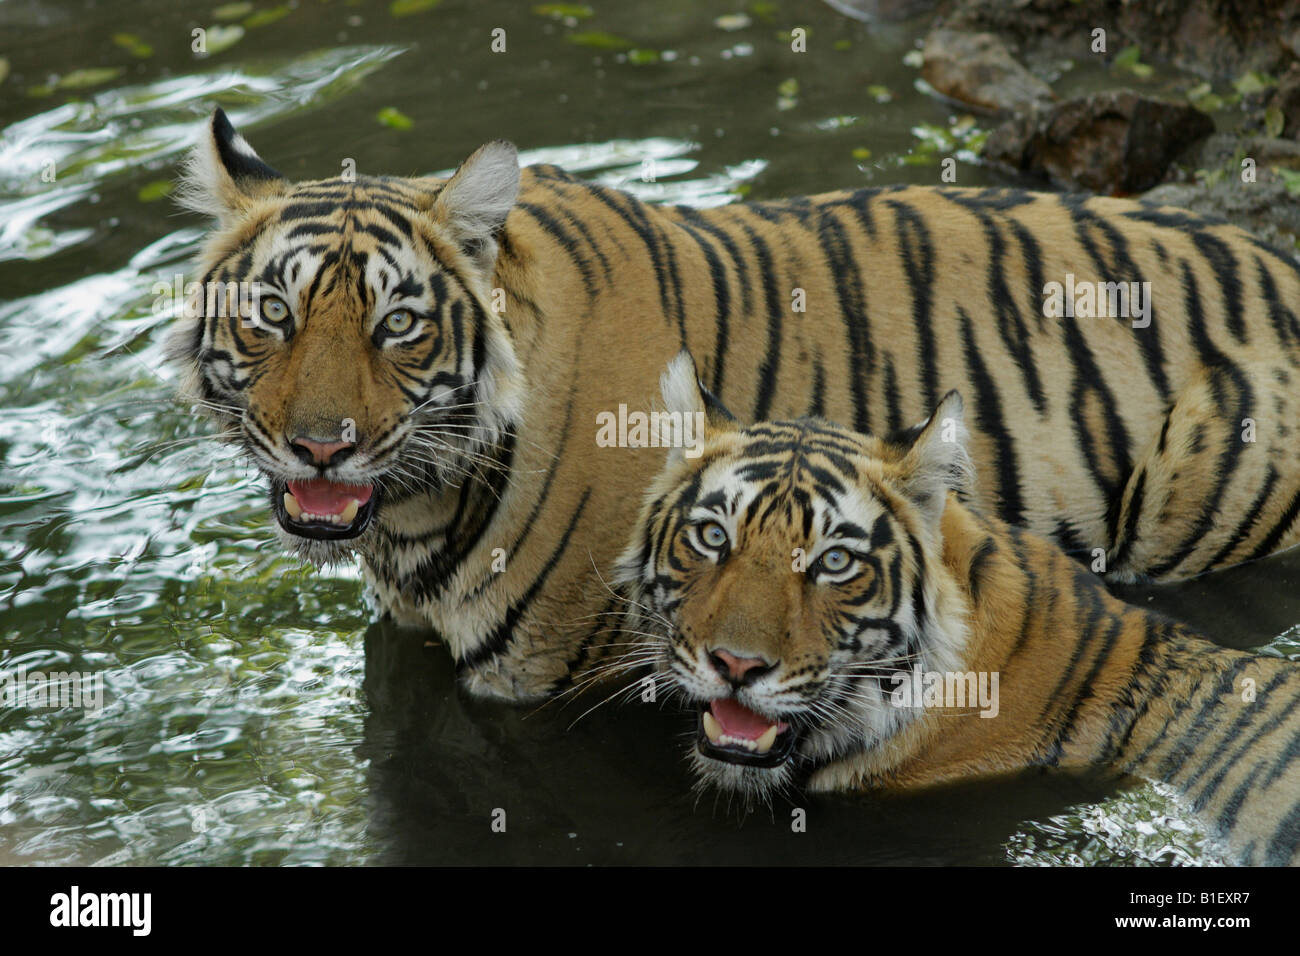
{"points": [[322, 453], [738, 670]]}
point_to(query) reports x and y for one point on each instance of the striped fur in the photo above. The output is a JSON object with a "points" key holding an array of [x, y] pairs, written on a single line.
{"points": [[1085, 680], [498, 509]]}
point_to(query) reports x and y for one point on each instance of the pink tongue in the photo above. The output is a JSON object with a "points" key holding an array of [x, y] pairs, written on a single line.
{"points": [[738, 721], [321, 497]]}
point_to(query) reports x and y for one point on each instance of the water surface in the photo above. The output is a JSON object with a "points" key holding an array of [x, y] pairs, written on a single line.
{"points": [[253, 712]]}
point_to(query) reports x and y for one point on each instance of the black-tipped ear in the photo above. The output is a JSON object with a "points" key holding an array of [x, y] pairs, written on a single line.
{"points": [[238, 158], [223, 174]]}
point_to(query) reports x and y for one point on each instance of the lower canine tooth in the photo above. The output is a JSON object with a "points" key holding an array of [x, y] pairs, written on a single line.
{"points": [[764, 743], [292, 507], [712, 729], [350, 512]]}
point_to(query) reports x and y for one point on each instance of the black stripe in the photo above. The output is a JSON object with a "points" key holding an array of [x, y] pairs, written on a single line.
{"points": [[566, 241], [721, 304], [847, 280], [917, 253], [499, 640], [1224, 265], [767, 372], [989, 418]]}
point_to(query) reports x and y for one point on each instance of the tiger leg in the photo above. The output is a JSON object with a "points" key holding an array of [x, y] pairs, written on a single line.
{"points": [[1220, 483]]}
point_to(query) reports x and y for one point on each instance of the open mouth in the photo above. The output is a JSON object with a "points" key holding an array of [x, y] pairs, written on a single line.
{"points": [[733, 733], [322, 509]]}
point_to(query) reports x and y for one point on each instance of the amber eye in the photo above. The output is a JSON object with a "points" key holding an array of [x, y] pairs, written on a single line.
{"points": [[398, 321], [273, 309], [713, 535], [836, 560]]}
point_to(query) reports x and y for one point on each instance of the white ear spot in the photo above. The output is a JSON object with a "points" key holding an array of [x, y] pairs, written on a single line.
{"points": [[241, 146]]}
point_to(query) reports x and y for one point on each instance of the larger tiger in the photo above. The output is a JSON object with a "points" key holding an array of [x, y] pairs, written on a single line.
{"points": [[421, 379], [839, 619]]}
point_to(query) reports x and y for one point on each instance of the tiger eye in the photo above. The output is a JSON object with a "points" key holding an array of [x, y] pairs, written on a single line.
{"points": [[273, 309], [713, 534], [399, 321], [835, 560]]}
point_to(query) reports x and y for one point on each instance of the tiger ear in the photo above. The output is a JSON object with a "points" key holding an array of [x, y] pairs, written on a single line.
{"points": [[693, 411], [937, 460], [478, 197], [223, 176]]}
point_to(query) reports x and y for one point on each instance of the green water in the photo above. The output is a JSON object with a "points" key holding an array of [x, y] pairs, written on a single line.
{"points": [[252, 711]]}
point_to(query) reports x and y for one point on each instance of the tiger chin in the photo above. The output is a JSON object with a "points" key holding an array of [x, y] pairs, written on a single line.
{"points": [[799, 585]]}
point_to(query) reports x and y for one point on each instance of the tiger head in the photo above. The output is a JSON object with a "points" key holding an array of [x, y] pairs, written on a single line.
{"points": [[785, 574], [344, 334]]}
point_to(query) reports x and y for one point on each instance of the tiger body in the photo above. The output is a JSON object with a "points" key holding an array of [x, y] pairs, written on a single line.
{"points": [[541, 302], [935, 587]]}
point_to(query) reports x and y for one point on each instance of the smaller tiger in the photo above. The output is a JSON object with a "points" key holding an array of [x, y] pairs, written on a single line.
{"points": [[840, 619]]}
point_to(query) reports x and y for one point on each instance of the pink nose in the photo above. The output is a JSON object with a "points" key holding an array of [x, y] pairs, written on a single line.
{"points": [[320, 452], [733, 667]]}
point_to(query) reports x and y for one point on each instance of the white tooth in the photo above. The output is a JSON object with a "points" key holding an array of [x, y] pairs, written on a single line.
{"points": [[292, 507], [764, 743], [712, 729], [349, 512]]}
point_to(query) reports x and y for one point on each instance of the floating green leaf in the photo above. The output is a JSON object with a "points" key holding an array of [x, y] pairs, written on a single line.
{"points": [[787, 94], [1129, 59], [1274, 120], [1290, 179], [562, 11], [262, 17], [221, 37], [642, 57], [133, 44], [599, 40], [1253, 82], [765, 10], [94, 76], [842, 45], [404, 8], [1203, 97], [394, 118], [861, 154], [732, 21], [152, 192], [881, 94], [232, 11]]}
